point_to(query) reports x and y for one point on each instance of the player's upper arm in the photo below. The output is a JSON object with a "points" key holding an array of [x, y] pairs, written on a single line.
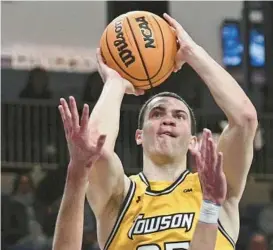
{"points": [[236, 143], [107, 181]]}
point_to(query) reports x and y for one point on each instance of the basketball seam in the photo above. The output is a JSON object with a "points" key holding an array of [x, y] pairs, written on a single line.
{"points": [[140, 55], [109, 49], [163, 54], [157, 80]]}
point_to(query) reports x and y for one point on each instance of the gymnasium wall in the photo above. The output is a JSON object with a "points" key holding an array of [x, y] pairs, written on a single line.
{"points": [[82, 23]]}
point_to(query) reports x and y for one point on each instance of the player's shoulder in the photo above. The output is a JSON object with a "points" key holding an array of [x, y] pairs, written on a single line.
{"points": [[139, 180], [134, 177]]}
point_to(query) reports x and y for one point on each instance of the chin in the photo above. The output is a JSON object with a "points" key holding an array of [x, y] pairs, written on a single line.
{"points": [[166, 152]]}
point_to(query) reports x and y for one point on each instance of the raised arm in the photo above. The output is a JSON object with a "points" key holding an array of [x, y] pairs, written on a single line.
{"points": [[83, 154], [236, 141], [107, 179], [209, 166]]}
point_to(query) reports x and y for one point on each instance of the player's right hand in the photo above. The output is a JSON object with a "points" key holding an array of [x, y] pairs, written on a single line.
{"points": [[84, 141], [209, 165], [186, 43], [107, 73]]}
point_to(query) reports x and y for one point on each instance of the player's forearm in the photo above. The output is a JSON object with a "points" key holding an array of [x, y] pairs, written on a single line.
{"points": [[107, 111], [204, 237], [69, 224], [226, 91]]}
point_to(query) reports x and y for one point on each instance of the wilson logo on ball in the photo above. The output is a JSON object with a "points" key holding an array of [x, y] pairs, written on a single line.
{"points": [[125, 54], [146, 32]]}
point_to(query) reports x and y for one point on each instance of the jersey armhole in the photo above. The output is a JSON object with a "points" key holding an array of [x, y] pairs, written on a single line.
{"points": [[123, 209], [225, 234]]}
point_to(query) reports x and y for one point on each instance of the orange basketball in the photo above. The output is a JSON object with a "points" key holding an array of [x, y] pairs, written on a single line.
{"points": [[141, 47]]}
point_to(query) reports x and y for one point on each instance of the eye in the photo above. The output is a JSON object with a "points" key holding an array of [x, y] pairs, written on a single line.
{"points": [[181, 116], [156, 114]]}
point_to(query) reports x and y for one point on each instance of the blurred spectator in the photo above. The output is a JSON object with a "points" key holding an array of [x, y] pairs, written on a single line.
{"points": [[48, 197], [14, 224], [37, 86], [24, 193], [23, 190], [258, 242]]}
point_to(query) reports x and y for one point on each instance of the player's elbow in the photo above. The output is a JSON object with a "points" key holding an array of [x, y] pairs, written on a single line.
{"points": [[248, 119]]}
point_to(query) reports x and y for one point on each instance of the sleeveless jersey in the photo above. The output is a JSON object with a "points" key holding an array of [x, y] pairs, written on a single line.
{"points": [[161, 216]]}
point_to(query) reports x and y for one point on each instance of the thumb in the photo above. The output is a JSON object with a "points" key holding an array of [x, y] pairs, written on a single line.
{"points": [[139, 92], [100, 143], [179, 60], [99, 65], [131, 89], [100, 59]]}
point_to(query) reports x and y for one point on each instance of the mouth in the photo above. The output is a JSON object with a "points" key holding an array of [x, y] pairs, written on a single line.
{"points": [[168, 133]]}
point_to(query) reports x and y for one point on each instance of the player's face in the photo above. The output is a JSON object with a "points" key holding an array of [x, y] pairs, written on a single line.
{"points": [[166, 128]]}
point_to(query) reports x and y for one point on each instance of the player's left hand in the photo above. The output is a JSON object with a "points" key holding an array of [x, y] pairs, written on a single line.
{"points": [[186, 44], [85, 143], [209, 165]]}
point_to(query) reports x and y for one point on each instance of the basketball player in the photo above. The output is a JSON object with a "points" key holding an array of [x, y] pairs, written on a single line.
{"points": [[86, 146], [160, 207]]}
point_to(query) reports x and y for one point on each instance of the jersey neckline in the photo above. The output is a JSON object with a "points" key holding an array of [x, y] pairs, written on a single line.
{"points": [[167, 190]]}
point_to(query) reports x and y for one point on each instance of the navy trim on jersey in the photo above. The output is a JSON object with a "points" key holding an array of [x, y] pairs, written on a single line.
{"points": [[225, 234], [167, 190], [143, 178], [125, 205]]}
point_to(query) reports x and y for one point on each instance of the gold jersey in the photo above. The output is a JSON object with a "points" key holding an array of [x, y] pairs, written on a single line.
{"points": [[161, 216]]}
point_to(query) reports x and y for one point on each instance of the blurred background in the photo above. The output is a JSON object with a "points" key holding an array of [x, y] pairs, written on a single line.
{"points": [[47, 52]]}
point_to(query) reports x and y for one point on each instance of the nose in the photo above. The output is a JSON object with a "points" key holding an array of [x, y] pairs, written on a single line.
{"points": [[168, 122]]}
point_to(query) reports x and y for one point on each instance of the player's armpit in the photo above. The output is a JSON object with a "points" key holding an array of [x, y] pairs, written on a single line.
{"points": [[230, 220], [107, 181], [236, 143], [204, 237]]}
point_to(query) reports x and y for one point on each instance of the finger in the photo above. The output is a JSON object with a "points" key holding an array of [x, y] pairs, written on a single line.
{"points": [[213, 153], [61, 110], [219, 165], [100, 63], [222, 184], [74, 112], [100, 143], [203, 145], [173, 23], [178, 62], [199, 162], [175, 67], [66, 108], [100, 59], [196, 160], [60, 107], [84, 118], [208, 155], [139, 92], [68, 117], [193, 163]]}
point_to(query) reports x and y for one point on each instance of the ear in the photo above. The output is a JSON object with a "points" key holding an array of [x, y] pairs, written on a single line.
{"points": [[138, 136], [193, 142]]}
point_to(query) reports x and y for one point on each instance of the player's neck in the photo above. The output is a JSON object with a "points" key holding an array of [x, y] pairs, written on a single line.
{"points": [[163, 172]]}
